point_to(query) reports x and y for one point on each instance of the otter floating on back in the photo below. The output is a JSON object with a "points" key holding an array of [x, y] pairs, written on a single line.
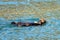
{"points": [[35, 23]]}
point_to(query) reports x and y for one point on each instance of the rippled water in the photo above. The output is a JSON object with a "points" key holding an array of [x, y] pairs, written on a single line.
{"points": [[49, 31]]}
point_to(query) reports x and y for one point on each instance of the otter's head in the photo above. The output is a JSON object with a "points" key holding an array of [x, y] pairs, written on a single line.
{"points": [[42, 21]]}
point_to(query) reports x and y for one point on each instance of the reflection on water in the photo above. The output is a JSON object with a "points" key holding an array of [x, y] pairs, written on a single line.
{"points": [[50, 31]]}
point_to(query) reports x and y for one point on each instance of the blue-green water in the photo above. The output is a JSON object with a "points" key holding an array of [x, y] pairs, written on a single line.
{"points": [[49, 31]]}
